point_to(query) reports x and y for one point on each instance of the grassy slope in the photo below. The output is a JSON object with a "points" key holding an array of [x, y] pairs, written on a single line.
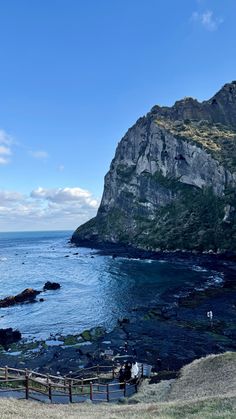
{"points": [[221, 408], [207, 385], [214, 375]]}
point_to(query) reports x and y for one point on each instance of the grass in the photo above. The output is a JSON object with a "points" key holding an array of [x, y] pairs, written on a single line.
{"points": [[206, 389], [206, 377], [221, 408]]}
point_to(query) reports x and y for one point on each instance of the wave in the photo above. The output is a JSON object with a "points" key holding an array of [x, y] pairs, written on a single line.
{"points": [[198, 268]]}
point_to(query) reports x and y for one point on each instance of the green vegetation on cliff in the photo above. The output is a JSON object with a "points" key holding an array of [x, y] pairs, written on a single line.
{"points": [[194, 220], [172, 183], [217, 139]]}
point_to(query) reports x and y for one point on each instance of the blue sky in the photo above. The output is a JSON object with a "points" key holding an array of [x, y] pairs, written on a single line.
{"points": [[76, 74]]}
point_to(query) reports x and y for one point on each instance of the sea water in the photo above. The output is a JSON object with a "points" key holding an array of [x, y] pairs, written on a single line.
{"points": [[96, 290]]}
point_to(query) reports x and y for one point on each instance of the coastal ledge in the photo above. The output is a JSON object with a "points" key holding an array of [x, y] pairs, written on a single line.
{"points": [[128, 251]]}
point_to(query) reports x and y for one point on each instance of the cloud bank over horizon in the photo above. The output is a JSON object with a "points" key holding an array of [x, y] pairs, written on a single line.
{"points": [[46, 209]]}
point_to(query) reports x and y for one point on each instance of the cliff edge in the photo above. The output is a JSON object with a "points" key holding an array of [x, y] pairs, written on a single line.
{"points": [[172, 182]]}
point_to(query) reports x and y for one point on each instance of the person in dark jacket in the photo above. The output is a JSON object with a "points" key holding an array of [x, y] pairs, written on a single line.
{"points": [[122, 376], [128, 366]]}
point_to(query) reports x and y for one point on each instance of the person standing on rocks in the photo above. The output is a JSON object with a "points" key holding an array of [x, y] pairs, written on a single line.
{"points": [[210, 317]]}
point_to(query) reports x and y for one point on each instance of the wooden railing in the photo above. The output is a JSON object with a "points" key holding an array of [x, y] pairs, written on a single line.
{"points": [[38, 386]]}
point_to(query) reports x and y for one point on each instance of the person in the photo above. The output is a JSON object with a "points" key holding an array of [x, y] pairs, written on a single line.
{"points": [[128, 367], [158, 363], [134, 370], [210, 317], [122, 376]]}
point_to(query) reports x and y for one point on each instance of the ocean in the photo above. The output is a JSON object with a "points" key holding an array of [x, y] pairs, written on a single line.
{"points": [[96, 290]]}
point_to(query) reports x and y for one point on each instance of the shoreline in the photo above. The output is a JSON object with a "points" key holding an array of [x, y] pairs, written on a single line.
{"points": [[127, 251], [166, 335]]}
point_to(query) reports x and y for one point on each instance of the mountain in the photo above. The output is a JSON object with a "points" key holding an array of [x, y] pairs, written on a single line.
{"points": [[172, 182]]}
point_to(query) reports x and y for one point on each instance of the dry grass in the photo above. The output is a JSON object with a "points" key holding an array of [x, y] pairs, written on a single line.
{"points": [[206, 377], [221, 408], [153, 393], [205, 390]]}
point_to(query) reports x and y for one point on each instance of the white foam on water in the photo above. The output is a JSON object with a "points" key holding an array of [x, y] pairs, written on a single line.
{"points": [[198, 268]]}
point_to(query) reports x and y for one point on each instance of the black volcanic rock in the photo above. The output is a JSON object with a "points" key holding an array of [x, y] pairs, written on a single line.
{"points": [[172, 182], [26, 296], [51, 286], [219, 109], [9, 336]]}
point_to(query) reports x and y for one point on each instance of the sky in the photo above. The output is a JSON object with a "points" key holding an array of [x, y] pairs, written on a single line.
{"points": [[76, 74]]}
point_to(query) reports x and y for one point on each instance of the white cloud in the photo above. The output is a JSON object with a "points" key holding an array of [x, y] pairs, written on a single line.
{"points": [[61, 168], [4, 160], [207, 20], [77, 196], [5, 150], [10, 196], [39, 154], [5, 138], [5, 147], [58, 208]]}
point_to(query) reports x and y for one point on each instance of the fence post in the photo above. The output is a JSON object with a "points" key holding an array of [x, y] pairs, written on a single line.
{"points": [[125, 389], [108, 398], [97, 369], [82, 385], [91, 390], [70, 391], [50, 391], [113, 372], [6, 373], [26, 385]]}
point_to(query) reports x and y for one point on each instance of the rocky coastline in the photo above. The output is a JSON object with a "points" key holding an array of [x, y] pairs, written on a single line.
{"points": [[167, 336], [128, 251]]}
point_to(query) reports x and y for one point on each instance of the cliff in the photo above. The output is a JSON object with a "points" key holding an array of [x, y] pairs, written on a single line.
{"points": [[171, 184]]}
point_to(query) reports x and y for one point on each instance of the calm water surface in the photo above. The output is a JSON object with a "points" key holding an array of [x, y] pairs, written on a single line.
{"points": [[95, 290]]}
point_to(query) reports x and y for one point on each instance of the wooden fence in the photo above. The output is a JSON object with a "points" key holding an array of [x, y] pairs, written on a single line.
{"points": [[94, 385]]}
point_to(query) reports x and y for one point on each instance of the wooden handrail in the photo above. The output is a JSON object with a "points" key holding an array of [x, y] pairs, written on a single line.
{"points": [[11, 380], [94, 367], [65, 384], [15, 369]]}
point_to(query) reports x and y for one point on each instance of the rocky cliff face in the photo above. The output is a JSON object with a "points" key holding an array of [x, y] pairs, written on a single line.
{"points": [[171, 184]]}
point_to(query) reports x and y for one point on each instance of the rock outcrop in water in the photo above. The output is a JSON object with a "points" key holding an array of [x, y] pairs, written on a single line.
{"points": [[26, 296], [51, 286], [171, 184]]}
